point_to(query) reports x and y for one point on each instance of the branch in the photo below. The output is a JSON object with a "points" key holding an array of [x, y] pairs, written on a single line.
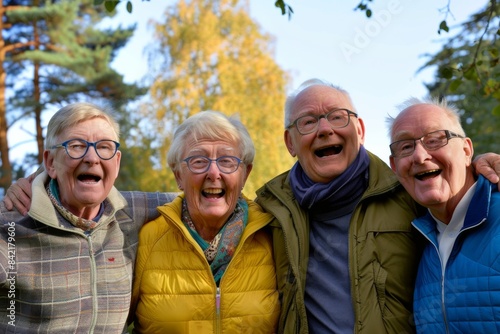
{"points": [[10, 47], [492, 10], [480, 41]]}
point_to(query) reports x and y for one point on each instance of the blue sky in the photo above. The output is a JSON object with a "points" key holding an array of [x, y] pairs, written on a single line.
{"points": [[375, 59]]}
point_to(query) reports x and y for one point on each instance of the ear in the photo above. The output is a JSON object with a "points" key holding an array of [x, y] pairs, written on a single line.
{"points": [[178, 178], [361, 130], [287, 136], [49, 163], [118, 160], [249, 169], [469, 150], [393, 164]]}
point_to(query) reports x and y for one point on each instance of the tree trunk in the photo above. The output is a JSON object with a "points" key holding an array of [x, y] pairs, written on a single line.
{"points": [[5, 169], [36, 92]]}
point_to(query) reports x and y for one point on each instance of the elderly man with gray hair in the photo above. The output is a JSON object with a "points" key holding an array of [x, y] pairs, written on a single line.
{"points": [[67, 266]]}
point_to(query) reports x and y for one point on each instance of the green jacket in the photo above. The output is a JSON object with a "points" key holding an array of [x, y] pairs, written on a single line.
{"points": [[383, 253]]}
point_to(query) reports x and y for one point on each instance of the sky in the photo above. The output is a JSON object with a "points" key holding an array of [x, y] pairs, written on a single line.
{"points": [[376, 60]]}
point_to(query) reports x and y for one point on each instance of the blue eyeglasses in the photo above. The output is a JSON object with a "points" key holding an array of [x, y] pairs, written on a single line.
{"points": [[77, 148]]}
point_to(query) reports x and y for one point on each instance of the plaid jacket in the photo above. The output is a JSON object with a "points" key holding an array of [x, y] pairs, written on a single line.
{"points": [[54, 278]]}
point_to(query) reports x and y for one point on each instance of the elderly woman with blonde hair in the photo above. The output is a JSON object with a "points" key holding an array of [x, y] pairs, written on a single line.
{"points": [[205, 265]]}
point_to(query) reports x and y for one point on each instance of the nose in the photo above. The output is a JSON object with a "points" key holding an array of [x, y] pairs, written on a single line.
{"points": [[213, 172], [420, 153], [324, 127], [91, 156]]}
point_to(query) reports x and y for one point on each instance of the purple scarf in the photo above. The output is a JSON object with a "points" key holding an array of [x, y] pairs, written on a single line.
{"points": [[339, 195]]}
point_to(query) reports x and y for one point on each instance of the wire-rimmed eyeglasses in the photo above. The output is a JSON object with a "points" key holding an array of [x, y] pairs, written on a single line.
{"points": [[198, 164], [431, 141], [338, 118], [77, 148]]}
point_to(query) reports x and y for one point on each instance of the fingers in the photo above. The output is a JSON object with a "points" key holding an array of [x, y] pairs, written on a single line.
{"points": [[493, 177], [8, 204], [488, 165], [19, 196]]}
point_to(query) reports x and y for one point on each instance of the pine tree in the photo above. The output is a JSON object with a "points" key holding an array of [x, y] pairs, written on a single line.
{"points": [[53, 55]]}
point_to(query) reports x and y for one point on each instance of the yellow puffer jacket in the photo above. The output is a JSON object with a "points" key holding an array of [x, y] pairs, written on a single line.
{"points": [[174, 289]]}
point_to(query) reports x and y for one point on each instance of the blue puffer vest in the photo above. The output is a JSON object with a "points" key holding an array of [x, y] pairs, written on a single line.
{"points": [[467, 298]]}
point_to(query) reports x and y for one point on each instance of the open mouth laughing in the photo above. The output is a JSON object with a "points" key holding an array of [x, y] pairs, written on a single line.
{"points": [[213, 192], [89, 178], [327, 151], [428, 174]]}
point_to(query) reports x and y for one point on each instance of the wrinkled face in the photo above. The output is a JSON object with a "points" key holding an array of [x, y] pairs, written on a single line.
{"points": [[325, 153], [83, 183], [434, 178], [211, 197]]}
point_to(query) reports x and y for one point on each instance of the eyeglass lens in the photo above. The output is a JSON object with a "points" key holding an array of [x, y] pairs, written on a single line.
{"points": [[77, 148], [201, 164], [431, 141], [309, 123]]}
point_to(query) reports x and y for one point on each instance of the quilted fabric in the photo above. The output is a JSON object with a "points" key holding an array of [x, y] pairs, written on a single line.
{"points": [[467, 298]]}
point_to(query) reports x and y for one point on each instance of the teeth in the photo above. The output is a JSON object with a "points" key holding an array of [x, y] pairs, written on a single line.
{"points": [[213, 191], [428, 172]]}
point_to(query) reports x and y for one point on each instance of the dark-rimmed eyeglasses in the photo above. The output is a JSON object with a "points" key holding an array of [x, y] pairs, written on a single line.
{"points": [[77, 148], [198, 164], [338, 118], [431, 141]]}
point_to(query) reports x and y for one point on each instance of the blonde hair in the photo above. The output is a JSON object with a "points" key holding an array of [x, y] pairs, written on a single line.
{"points": [[211, 125], [73, 114]]}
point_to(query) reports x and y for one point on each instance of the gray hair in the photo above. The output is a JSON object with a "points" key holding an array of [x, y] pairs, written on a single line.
{"points": [[72, 114], [450, 110], [290, 100], [211, 125]]}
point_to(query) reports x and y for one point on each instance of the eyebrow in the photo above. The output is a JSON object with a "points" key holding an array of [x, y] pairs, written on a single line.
{"points": [[200, 151], [401, 136]]}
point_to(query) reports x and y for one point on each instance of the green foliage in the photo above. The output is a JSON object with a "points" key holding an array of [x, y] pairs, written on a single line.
{"points": [[285, 8], [110, 5], [496, 111], [364, 7], [467, 74], [443, 26]]}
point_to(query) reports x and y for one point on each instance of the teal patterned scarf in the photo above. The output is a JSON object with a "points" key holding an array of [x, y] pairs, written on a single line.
{"points": [[84, 224], [220, 250]]}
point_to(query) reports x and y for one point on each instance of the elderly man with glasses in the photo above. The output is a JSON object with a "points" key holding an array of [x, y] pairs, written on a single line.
{"points": [[67, 267], [458, 283]]}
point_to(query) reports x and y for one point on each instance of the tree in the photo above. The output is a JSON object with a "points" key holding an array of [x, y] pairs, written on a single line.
{"points": [[68, 58], [467, 74], [210, 55]]}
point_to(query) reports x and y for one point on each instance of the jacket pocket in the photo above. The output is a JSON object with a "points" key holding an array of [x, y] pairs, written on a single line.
{"points": [[380, 278]]}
